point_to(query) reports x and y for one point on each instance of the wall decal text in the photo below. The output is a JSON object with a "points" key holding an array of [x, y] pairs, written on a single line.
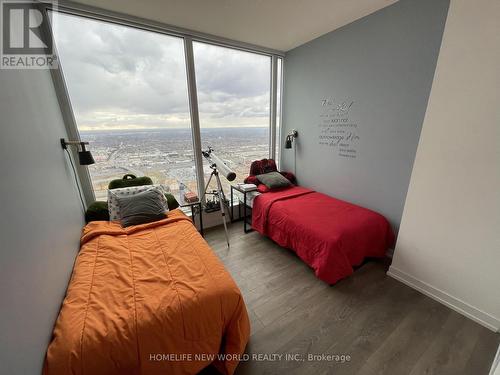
{"points": [[336, 128]]}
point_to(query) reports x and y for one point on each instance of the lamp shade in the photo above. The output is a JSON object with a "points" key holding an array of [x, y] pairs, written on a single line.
{"points": [[288, 142], [85, 156]]}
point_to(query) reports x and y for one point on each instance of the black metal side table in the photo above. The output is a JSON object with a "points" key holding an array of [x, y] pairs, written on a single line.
{"points": [[196, 209], [246, 208]]}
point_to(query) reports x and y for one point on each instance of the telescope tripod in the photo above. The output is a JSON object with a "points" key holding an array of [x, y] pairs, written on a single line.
{"points": [[221, 195]]}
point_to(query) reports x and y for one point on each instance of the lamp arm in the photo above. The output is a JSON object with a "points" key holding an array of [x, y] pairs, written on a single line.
{"points": [[65, 143]]}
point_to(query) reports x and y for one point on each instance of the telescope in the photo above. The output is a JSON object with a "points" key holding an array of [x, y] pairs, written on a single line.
{"points": [[216, 162], [217, 165]]}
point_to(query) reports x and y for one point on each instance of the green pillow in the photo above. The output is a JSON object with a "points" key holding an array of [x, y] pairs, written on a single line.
{"points": [[172, 202], [98, 211], [129, 180]]}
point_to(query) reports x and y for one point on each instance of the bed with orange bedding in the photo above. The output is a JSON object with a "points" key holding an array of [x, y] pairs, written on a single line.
{"points": [[148, 299]]}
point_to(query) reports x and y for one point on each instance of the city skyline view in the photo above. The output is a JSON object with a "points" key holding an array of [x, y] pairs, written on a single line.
{"points": [[166, 155]]}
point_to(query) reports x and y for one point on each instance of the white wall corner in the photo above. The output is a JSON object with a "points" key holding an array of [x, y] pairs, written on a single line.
{"points": [[471, 312]]}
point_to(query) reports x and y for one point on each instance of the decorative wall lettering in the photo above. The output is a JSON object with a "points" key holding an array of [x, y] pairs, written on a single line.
{"points": [[336, 128]]}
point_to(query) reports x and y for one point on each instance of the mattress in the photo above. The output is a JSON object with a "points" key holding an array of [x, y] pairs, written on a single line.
{"points": [[330, 235], [148, 299], [251, 197]]}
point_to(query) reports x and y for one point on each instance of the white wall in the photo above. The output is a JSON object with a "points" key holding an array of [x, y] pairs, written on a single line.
{"points": [[40, 219], [449, 241]]}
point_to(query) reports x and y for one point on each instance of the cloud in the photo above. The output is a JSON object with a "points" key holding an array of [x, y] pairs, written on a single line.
{"points": [[121, 77]]}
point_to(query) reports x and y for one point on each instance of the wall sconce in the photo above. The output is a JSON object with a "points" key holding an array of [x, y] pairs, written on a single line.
{"points": [[290, 137], [85, 157]]}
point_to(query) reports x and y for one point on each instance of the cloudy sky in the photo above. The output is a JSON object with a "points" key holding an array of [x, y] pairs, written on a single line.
{"points": [[123, 78]]}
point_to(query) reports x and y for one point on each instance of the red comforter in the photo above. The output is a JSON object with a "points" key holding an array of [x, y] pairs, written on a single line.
{"points": [[328, 234]]}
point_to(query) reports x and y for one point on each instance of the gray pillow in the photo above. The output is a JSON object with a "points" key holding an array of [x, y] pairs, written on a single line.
{"points": [[273, 180], [141, 208]]}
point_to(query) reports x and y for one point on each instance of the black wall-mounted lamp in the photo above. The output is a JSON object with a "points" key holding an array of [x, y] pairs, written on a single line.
{"points": [[290, 137], [85, 157]]}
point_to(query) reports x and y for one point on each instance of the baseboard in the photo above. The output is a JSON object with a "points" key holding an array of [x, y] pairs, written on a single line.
{"points": [[456, 304]]}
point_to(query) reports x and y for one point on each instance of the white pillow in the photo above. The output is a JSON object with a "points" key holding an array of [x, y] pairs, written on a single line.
{"points": [[114, 207]]}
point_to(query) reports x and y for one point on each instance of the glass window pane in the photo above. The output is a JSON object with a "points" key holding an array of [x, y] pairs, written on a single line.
{"points": [[128, 90], [234, 101], [278, 110]]}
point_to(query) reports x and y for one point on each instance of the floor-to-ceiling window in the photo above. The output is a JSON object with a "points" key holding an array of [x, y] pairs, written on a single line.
{"points": [[128, 90], [233, 100]]}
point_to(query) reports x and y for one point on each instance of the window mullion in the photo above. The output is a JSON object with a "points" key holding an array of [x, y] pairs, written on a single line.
{"points": [[195, 118]]}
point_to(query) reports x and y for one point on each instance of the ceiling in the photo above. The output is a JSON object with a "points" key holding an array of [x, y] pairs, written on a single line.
{"points": [[276, 24]]}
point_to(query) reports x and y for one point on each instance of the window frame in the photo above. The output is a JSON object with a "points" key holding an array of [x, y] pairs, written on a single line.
{"points": [[188, 37]]}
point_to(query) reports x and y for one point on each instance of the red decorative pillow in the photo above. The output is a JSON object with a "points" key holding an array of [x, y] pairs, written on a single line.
{"points": [[262, 166], [261, 188], [251, 180], [265, 166]]}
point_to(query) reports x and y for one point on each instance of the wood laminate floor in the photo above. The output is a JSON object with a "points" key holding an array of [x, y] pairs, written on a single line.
{"points": [[384, 326]]}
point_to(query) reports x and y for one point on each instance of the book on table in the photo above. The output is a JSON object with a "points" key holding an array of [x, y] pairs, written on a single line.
{"points": [[248, 187], [190, 197]]}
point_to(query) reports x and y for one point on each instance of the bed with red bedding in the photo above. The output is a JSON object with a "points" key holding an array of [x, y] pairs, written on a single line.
{"points": [[328, 234]]}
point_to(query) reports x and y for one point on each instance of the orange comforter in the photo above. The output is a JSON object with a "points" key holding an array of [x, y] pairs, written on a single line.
{"points": [[148, 299]]}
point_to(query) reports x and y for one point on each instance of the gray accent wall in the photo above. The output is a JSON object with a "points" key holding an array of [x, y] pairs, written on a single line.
{"points": [[374, 76], [40, 222]]}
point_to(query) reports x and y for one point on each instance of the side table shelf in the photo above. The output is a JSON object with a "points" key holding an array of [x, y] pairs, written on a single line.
{"points": [[247, 210], [196, 209]]}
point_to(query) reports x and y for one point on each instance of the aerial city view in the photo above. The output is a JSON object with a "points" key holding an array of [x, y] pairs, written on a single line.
{"points": [[166, 155]]}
